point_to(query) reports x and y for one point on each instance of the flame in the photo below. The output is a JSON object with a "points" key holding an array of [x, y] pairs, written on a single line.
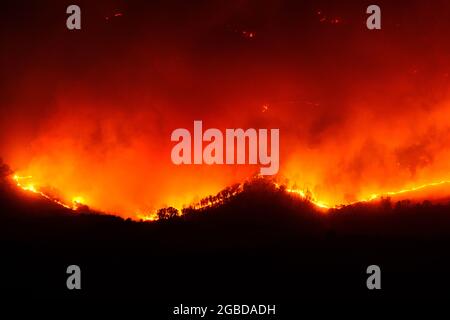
{"points": [[307, 196], [25, 183], [77, 202], [147, 217], [372, 197]]}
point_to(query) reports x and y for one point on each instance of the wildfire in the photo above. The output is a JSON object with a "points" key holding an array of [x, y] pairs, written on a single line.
{"points": [[77, 202], [307, 195], [372, 197], [403, 191], [147, 217], [25, 183]]}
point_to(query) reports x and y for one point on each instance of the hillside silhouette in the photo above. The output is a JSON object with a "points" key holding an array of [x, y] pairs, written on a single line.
{"points": [[261, 244]]}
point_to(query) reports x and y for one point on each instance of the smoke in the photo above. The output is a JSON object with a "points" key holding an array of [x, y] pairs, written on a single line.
{"points": [[89, 113]]}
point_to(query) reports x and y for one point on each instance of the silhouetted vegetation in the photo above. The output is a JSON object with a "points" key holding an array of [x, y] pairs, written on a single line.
{"points": [[213, 201], [4, 170], [252, 240], [167, 213]]}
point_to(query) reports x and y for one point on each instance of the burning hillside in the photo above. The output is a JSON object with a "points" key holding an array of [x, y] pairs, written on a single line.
{"points": [[434, 193], [86, 116]]}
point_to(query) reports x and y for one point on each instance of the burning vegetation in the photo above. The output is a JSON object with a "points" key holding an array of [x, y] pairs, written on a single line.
{"points": [[229, 193], [87, 117]]}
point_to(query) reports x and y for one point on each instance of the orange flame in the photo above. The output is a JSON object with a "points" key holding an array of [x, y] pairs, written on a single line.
{"points": [[25, 183]]}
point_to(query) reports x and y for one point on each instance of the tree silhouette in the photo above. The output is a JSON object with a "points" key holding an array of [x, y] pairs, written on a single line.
{"points": [[167, 213], [4, 170]]}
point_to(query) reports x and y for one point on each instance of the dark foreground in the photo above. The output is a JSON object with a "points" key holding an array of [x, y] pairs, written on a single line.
{"points": [[262, 246]]}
